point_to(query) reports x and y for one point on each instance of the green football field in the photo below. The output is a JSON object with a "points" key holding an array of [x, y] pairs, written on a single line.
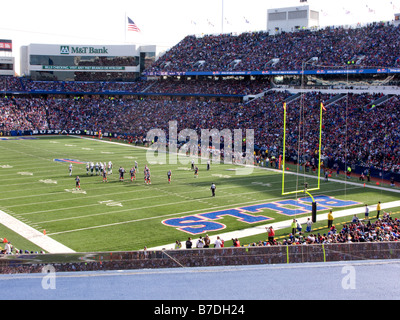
{"points": [[116, 215]]}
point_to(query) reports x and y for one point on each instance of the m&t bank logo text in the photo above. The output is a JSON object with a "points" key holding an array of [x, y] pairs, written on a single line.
{"points": [[82, 50]]}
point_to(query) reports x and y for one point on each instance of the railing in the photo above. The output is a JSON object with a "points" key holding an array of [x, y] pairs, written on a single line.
{"points": [[34, 263]]}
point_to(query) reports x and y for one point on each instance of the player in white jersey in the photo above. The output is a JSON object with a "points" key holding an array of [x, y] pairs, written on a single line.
{"points": [[70, 169]]}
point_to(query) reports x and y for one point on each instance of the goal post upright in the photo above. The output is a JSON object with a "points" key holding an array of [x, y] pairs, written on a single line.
{"points": [[320, 143], [284, 155], [284, 148]]}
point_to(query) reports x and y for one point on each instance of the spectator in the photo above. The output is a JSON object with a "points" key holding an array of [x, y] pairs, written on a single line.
{"points": [[178, 244], [366, 215], [271, 234], [293, 226], [309, 225], [189, 243], [8, 248], [378, 209], [218, 243], [330, 219], [200, 243], [207, 241]]}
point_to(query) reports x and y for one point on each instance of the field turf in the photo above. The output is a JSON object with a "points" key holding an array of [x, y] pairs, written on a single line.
{"points": [[127, 215]]}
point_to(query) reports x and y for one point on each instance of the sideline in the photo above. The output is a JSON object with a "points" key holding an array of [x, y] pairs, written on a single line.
{"points": [[48, 244]]}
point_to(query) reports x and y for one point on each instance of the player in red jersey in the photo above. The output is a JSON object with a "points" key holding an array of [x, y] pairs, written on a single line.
{"points": [[77, 183], [133, 173], [121, 173], [148, 179], [169, 174], [105, 176]]}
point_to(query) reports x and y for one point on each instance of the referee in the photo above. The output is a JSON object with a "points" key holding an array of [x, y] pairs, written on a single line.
{"points": [[213, 187]]}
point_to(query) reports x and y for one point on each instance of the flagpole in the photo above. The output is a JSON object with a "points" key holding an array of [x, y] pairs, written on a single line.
{"points": [[222, 20], [125, 26]]}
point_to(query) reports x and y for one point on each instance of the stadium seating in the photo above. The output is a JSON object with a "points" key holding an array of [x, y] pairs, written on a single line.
{"points": [[371, 136], [353, 131], [361, 130], [373, 45]]}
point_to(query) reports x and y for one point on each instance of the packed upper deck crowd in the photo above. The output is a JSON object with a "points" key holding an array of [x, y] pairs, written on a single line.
{"points": [[169, 86], [9, 84], [373, 45]]}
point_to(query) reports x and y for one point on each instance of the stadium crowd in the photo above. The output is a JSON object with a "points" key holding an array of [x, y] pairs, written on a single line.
{"points": [[207, 86], [352, 132], [7, 248], [86, 85], [385, 228], [372, 45], [211, 87]]}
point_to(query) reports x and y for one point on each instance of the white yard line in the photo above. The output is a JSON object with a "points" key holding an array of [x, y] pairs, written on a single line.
{"points": [[48, 244]]}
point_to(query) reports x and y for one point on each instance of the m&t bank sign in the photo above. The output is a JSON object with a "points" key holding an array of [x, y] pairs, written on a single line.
{"points": [[82, 50]]}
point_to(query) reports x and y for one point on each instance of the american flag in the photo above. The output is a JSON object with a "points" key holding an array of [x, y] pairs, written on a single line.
{"points": [[132, 26]]}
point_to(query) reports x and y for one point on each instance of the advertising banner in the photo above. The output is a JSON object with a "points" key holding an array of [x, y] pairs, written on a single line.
{"points": [[275, 72], [5, 45]]}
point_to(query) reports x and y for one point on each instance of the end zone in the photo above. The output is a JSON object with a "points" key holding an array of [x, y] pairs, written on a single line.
{"points": [[69, 161]]}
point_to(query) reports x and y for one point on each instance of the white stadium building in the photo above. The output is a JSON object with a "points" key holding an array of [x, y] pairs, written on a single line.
{"points": [[66, 62]]}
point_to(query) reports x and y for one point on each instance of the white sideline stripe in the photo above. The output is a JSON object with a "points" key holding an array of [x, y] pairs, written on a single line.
{"points": [[281, 225], [48, 244]]}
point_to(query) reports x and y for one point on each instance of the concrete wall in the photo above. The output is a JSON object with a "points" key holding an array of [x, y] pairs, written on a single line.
{"points": [[199, 257]]}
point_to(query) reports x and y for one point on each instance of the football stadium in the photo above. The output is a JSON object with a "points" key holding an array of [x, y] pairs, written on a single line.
{"points": [[258, 149]]}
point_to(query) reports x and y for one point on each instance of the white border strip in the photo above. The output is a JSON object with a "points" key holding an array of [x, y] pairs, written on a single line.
{"points": [[48, 244]]}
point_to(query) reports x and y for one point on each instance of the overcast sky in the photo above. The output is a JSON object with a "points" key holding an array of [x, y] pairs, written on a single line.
{"points": [[162, 22]]}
